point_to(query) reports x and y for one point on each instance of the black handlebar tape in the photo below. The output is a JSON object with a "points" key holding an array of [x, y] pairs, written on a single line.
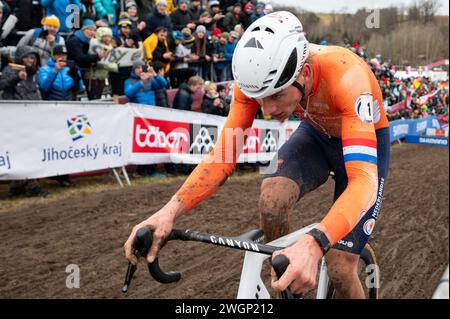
{"points": [[280, 264], [143, 243], [161, 276]]}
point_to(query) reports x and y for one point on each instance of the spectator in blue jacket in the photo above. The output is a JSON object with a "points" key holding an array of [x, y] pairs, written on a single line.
{"points": [[106, 10], [57, 81], [230, 47], [259, 12], [61, 9], [144, 81]]}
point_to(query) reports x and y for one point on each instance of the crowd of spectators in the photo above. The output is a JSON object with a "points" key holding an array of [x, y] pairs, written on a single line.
{"points": [[57, 50], [408, 97]]}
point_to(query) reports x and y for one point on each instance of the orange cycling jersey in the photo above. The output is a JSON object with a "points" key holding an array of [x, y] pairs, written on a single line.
{"points": [[345, 102]]}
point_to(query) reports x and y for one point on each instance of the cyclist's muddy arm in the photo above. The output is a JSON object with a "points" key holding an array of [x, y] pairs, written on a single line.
{"points": [[209, 175]]}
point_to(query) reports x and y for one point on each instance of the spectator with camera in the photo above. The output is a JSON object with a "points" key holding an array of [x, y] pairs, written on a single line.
{"points": [[161, 97], [44, 39], [57, 80], [213, 102], [140, 87], [63, 9], [78, 45], [19, 79]]}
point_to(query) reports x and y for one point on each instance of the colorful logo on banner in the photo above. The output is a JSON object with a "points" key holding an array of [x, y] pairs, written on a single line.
{"points": [[79, 127]]}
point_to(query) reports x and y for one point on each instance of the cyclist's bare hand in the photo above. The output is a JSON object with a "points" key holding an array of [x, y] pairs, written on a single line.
{"points": [[161, 224], [300, 275]]}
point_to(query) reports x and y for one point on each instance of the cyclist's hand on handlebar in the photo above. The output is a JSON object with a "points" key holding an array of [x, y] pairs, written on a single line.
{"points": [[161, 224], [300, 275]]}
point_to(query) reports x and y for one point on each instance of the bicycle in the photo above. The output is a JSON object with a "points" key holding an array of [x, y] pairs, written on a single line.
{"points": [[251, 284]]}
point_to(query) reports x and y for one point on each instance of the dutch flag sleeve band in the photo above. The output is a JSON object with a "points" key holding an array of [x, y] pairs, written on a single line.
{"points": [[362, 150]]}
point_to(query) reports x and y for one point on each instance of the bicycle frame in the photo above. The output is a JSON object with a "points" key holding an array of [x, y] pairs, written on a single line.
{"points": [[251, 285]]}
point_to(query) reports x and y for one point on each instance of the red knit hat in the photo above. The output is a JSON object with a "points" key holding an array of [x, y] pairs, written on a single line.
{"points": [[249, 6], [216, 31]]}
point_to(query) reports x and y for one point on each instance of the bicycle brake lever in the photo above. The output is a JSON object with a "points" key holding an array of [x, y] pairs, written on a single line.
{"points": [[141, 247], [280, 264]]}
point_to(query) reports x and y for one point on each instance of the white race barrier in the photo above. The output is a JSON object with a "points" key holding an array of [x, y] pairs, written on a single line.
{"points": [[442, 290], [43, 139]]}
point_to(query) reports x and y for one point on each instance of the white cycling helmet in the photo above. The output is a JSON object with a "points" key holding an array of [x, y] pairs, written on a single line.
{"points": [[270, 55]]}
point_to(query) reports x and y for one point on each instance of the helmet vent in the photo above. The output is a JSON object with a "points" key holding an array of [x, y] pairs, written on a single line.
{"points": [[253, 43], [256, 29], [289, 69], [270, 30]]}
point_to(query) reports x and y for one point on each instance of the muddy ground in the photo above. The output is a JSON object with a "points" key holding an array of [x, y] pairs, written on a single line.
{"points": [[39, 240]]}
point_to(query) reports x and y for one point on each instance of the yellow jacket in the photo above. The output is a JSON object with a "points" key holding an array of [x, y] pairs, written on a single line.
{"points": [[150, 45], [170, 6]]}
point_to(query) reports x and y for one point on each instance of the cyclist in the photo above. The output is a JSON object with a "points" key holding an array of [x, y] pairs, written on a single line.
{"points": [[344, 130]]}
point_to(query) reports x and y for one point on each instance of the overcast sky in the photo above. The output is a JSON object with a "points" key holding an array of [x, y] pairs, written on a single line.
{"points": [[326, 6]]}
